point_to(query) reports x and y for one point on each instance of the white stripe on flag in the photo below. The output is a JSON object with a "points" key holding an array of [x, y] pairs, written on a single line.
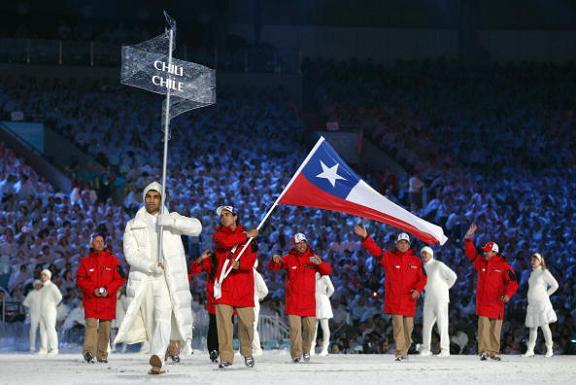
{"points": [[365, 195]]}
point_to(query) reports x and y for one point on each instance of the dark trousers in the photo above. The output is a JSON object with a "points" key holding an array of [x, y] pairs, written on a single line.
{"points": [[212, 340]]}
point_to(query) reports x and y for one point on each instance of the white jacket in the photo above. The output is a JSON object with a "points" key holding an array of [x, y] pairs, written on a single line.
{"points": [[50, 297], [541, 285], [33, 302], [139, 255], [324, 290], [440, 279], [260, 288]]}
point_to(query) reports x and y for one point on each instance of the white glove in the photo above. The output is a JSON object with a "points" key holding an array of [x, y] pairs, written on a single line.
{"points": [[155, 269], [165, 220]]}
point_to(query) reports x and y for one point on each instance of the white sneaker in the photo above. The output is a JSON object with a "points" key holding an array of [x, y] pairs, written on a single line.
{"points": [[425, 353], [53, 352], [312, 351], [549, 353], [42, 351], [323, 353], [443, 353], [529, 353]]}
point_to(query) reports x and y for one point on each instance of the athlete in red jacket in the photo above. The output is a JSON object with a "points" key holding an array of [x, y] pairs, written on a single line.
{"points": [[237, 289], [497, 283], [301, 265], [99, 278], [405, 280]]}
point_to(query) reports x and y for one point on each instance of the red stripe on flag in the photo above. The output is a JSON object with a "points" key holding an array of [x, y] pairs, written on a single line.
{"points": [[304, 193]]}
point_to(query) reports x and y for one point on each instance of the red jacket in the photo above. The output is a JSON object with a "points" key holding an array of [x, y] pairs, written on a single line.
{"points": [[99, 269], [205, 266], [404, 273], [238, 287], [300, 281], [496, 278]]}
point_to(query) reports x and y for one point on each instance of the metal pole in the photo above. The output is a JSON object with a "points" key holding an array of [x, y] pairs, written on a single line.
{"points": [[166, 138], [60, 52]]}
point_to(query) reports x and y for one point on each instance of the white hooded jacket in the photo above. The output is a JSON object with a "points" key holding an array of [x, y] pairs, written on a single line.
{"points": [[440, 279], [140, 255]]}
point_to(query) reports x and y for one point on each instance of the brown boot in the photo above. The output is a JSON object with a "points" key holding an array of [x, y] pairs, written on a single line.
{"points": [[156, 365], [173, 351]]}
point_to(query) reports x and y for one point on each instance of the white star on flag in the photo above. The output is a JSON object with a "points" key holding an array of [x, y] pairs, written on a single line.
{"points": [[330, 173]]}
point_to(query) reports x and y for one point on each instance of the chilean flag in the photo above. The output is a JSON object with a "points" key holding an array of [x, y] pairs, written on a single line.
{"points": [[325, 181]]}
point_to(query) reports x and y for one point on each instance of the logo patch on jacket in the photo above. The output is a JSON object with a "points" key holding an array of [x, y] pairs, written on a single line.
{"points": [[90, 269]]}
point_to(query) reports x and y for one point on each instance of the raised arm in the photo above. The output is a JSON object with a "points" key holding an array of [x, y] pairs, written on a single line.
{"points": [[469, 248], [180, 224]]}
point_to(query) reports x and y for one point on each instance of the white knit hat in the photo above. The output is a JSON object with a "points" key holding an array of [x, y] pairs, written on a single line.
{"points": [[47, 272], [152, 186], [538, 256], [427, 249]]}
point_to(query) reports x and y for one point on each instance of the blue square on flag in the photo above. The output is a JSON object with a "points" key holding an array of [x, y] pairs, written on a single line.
{"points": [[327, 171]]}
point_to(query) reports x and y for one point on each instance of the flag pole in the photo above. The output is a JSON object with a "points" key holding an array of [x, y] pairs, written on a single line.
{"points": [[166, 139], [225, 272]]}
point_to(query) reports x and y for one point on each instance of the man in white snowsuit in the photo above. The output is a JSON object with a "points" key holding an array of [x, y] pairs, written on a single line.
{"points": [[33, 303], [440, 279], [50, 297], [158, 293]]}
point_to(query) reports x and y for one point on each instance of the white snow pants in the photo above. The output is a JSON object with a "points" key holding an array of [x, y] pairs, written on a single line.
{"points": [[157, 303], [256, 348], [435, 312], [34, 325], [48, 335], [325, 336]]}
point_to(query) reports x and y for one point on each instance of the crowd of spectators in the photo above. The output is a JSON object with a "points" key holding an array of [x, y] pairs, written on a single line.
{"points": [[488, 147]]}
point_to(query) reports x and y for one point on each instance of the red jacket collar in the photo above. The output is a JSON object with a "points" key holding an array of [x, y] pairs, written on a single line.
{"points": [[228, 230], [298, 254]]}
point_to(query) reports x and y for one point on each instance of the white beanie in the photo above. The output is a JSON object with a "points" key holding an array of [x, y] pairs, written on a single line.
{"points": [[152, 186], [427, 249], [47, 272]]}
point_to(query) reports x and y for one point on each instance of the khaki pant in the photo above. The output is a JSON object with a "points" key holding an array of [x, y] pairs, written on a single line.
{"points": [[489, 335], [301, 334], [226, 331], [96, 337], [402, 328]]}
